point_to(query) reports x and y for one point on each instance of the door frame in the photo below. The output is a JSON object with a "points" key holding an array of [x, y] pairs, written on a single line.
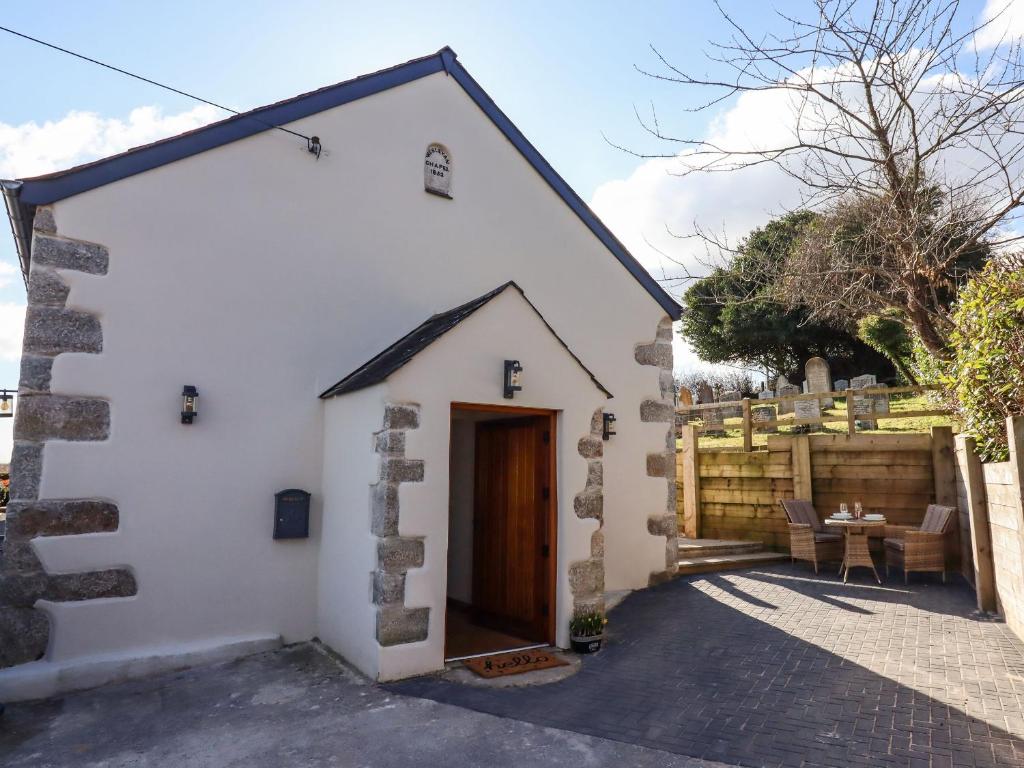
{"points": [[551, 571]]}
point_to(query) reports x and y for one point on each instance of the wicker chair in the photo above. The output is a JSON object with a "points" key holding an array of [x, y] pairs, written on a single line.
{"points": [[808, 539], [920, 549]]}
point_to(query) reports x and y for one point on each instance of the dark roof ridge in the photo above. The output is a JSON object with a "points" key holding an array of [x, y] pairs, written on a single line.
{"points": [[26, 194]]}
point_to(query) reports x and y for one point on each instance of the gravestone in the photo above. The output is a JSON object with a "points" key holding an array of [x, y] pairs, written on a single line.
{"points": [[867, 405], [803, 386], [781, 382], [761, 414], [685, 397], [841, 385], [819, 378], [808, 409], [705, 394], [683, 415], [714, 423], [731, 411], [864, 380], [437, 171], [787, 390], [765, 394]]}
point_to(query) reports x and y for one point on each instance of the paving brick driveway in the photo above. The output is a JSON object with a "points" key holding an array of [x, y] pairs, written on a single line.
{"points": [[777, 667]]}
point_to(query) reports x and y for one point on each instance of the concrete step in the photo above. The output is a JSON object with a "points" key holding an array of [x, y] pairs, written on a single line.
{"points": [[690, 548], [715, 563]]}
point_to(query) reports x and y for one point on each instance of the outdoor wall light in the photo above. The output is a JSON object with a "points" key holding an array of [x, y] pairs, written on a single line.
{"points": [[607, 422], [513, 378], [189, 404], [6, 410]]}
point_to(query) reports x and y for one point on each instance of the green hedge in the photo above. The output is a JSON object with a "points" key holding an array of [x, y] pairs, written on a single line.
{"points": [[984, 377]]}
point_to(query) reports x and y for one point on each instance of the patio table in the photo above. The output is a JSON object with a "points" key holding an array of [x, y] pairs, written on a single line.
{"points": [[856, 552]]}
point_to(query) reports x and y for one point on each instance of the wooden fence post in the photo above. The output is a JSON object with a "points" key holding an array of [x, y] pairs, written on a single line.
{"points": [[851, 417], [1015, 438], [944, 475], [691, 481], [802, 481], [748, 435], [977, 513], [690, 475]]}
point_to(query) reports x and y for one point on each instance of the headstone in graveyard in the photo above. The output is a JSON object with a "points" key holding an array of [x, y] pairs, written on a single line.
{"points": [[781, 382], [761, 414], [685, 397], [731, 411], [787, 390], [867, 405], [803, 386], [841, 385], [704, 393], [714, 422], [765, 394], [808, 410], [819, 378]]}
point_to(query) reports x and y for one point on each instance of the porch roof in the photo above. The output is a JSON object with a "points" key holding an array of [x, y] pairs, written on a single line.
{"points": [[378, 368]]}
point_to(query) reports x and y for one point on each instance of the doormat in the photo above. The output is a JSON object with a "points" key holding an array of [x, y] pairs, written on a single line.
{"points": [[514, 663]]}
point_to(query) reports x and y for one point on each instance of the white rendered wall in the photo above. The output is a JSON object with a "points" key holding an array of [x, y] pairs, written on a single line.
{"points": [[348, 551], [465, 365], [261, 276]]}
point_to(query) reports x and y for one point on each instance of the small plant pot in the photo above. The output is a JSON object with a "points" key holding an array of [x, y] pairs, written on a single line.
{"points": [[590, 644]]}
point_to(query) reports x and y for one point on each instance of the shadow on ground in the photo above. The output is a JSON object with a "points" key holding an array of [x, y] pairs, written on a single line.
{"points": [[294, 707], [779, 667]]}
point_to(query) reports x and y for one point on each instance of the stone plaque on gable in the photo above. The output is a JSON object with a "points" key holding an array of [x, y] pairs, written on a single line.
{"points": [[786, 406], [437, 171], [819, 378]]}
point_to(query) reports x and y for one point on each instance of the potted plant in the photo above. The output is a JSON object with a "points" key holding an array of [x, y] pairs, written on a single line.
{"points": [[586, 631]]}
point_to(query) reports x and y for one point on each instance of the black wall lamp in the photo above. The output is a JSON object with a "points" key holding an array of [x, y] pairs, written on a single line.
{"points": [[6, 409], [607, 424], [513, 378], [189, 404]]}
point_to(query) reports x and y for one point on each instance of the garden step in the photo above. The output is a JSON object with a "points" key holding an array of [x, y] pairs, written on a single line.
{"points": [[690, 548], [712, 564]]}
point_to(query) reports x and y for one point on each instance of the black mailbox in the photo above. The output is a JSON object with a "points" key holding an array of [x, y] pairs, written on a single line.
{"points": [[291, 514]]}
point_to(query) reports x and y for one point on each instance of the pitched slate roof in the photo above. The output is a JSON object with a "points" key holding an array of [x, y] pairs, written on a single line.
{"points": [[42, 190], [378, 368]]}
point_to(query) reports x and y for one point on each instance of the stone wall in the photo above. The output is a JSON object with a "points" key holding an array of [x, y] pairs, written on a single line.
{"points": [[586, 577], [663, 463], [396, 624], [51, 328]]}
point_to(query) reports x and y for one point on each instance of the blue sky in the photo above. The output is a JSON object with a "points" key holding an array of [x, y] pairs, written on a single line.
{"points": [[564, 72]]}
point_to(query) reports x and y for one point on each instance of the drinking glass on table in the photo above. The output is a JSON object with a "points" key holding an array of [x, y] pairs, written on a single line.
{"points": [[843, 509], [858, 509]]}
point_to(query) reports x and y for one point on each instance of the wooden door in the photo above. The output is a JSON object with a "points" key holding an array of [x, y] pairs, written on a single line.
{"points": [[512, 526]]}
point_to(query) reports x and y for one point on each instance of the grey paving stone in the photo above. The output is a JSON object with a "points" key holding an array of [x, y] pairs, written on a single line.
{"points": [[775, 666]]}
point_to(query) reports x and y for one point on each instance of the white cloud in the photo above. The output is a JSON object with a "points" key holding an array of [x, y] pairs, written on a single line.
{"points": [[31, 148], [1007, 23], [12, 323], [651, 207]]}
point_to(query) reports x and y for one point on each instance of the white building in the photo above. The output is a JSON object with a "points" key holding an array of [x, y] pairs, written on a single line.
{"points": [[429, 238]]}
